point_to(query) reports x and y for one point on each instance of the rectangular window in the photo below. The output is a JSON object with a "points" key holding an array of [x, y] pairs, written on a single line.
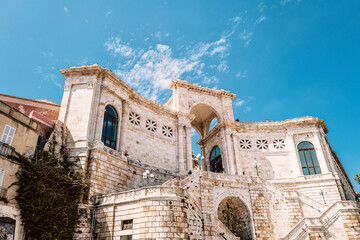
{"points": [[8, 134], [127, 237], [127, 224]]}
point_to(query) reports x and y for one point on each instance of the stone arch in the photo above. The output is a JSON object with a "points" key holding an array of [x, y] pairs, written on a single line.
{"points": [[236, 216], [231, 193], [204, 114]]}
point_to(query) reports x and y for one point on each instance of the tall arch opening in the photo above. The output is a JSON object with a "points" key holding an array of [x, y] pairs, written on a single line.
{"points": [[234, 214], [206, 118]]}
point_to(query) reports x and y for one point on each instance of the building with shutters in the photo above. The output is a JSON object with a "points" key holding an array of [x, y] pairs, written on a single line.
{"points": [[18, 133]]}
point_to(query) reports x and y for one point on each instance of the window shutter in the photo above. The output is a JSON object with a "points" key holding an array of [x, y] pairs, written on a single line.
{"points": [[11, 136], [8, 134], [5, 133]]}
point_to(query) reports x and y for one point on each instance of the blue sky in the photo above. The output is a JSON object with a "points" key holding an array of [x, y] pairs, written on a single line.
{"points": [[284, 59]]}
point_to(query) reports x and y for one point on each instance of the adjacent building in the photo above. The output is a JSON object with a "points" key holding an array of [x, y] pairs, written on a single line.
{"points": [[25, 125], [18, 133]]}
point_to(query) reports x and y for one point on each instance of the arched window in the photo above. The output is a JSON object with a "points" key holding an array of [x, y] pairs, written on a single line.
{"points": [[109, 130], [308, 159], [215, 160]]}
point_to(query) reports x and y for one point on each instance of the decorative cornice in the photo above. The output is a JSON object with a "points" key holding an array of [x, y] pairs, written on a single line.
{"points": [[108, 74], [307, 121], [82, 71], [197, 88]]}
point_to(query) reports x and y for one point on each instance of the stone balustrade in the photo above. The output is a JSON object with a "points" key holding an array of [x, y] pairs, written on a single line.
{"points": [[146, 192], [223, 230], [319, 222]]}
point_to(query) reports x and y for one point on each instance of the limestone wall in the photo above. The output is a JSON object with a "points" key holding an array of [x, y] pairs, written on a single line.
{"points": [[156, 213]]}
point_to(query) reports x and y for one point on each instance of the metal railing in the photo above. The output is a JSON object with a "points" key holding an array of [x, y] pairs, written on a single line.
{"points": [[6, 150]]}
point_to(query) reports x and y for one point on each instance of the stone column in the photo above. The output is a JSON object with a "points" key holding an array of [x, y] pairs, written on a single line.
{"points": [[181, 147], [224, 151], [238, 169], [188, 149], [100, 122], [204, 159], [320, 153], [124, 118], [294, 156], [328, 153], [230, 159]]}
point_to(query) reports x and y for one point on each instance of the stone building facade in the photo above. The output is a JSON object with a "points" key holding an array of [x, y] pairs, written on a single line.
{"points": [[136, 155]]}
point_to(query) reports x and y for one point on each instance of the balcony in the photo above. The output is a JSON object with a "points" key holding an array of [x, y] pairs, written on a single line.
{"points": [[6, 150]]}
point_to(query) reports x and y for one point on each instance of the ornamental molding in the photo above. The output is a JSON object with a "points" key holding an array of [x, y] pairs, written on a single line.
{"points": [[283, 125], [67, 86], [193, 87]]}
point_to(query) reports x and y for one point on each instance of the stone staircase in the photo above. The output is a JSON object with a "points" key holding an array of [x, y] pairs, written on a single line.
{"points": [[318, 224], [324, 215], [222, 230]]}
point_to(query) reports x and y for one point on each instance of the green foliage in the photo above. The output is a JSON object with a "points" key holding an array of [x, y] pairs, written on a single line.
{"points": [[3, 235], [357, 178], [48, 195], [195, 160]]}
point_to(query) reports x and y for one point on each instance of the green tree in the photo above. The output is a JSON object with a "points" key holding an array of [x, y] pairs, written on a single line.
{"points": [[48, 195], [195, 160], [3, 233], [357, 178]]}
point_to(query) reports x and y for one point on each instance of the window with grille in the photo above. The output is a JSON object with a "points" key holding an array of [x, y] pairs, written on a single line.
{"points": [[167, 131], [279, 143], [151, 125], [127, 224], [245, 144], [134, 118], [262, 144]]}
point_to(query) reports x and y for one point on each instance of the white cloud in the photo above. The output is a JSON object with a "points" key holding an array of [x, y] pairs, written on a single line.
{"points": [[222, 67], [108, 13], [241, 74], [260, 19], [84, 61], [284, 2], [239, 102], [157, 35], [245, 35], [149, 70], [47, 73], [47, 54], [115, 46], [247, 43], [247, 109], [66, 9], [261, 6]]}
